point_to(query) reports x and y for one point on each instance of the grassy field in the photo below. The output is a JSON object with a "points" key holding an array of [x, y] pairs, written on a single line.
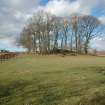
{"points": [[53, 80]]}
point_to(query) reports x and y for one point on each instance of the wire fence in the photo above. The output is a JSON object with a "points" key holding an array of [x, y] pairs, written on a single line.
{"points": [[7, 56]]}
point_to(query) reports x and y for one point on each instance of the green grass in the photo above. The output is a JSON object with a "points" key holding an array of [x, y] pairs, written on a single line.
{"points": [[53, 80]]}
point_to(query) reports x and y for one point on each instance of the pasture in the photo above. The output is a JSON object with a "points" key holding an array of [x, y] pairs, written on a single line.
{"points": [[53, 80]]}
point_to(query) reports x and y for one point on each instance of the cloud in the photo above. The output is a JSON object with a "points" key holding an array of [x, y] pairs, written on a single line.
{"points": [[101, 4], [14, 13], [98, 43], [86, 6], [9, 29], [66, 7], [13, 16], [102, 19], [23, 5], [8, 43], [62, 7]]}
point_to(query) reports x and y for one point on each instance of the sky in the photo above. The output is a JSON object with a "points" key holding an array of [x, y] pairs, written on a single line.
{"points": [[15, 13]]}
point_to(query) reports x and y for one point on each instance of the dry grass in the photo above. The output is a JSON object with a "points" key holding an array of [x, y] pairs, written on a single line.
{"points": [[53, 80]]}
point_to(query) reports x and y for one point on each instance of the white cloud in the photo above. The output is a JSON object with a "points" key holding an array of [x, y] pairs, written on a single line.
{"points": [[66, 7], [23, 5], [22, 16], [62, 7], [8, 29], [8, 43], [102, 19], [14, 13], [98, 43], [86, 6]]}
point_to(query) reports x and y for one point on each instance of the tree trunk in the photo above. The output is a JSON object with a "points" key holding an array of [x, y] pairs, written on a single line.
{"points": [[71, 44]]}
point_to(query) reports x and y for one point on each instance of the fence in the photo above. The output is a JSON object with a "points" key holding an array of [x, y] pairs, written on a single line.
{"points": [[7, 56]]}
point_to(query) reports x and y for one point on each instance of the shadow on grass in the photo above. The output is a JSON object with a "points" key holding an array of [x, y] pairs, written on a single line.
{"points": [[50, 93], [98, 98], [9, 89]]}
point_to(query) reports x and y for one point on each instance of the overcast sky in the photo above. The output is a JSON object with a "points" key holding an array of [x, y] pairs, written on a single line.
{"points": [[14, 14]]}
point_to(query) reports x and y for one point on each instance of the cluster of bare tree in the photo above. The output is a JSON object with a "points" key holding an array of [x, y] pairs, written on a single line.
{"points": [[46, 33]]}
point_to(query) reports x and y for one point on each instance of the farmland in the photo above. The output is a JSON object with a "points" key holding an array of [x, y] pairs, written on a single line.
{"points": [[53, 80]]}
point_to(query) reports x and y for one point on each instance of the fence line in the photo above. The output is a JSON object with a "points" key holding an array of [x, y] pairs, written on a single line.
{"points": [[7, 56]]}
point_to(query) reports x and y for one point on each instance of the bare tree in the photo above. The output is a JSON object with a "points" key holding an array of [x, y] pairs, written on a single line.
{"points": [[88, 25], [44, 32], [56, 31], [65, 29], [25, 39], [74, 21]]}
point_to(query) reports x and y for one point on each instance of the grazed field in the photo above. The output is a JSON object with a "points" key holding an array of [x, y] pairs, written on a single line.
{"points": [[53, 80]]}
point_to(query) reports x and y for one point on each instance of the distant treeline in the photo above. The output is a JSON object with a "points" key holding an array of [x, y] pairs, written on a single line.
{"points": [[46, 33]]}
